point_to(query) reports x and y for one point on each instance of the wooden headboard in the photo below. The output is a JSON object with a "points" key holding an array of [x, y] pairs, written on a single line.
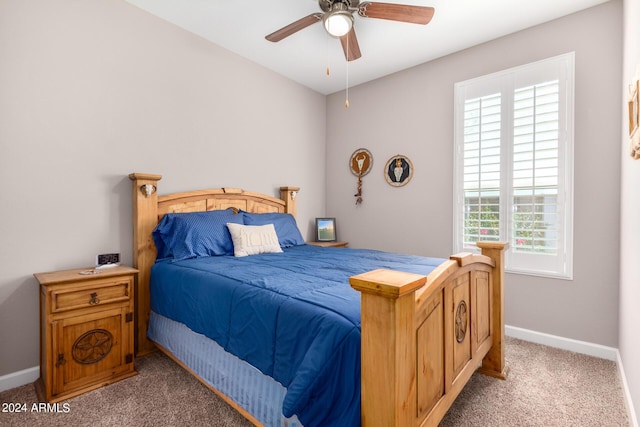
{"points": [[148, 208]]}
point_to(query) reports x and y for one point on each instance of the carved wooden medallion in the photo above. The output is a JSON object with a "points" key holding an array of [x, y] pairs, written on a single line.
{"points": [[461, 321], [93, 346]]}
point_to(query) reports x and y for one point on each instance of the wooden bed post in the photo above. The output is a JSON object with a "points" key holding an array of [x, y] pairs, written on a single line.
{"points": [[493, 363], [388, 346], [288, 194], [145, 218]]}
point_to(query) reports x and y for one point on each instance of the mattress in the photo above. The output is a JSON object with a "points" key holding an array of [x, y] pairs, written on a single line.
{"points": [[257, 393], [292, 315]]}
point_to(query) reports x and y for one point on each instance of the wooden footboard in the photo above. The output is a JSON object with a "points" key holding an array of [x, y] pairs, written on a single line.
{"points": [[424, 336]]}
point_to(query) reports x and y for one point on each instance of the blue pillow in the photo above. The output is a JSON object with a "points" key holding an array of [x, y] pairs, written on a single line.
{"points": [[285, 224], [194, 234]]}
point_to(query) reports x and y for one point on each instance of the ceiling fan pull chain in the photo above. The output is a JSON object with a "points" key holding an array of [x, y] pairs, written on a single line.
{"points": [[327, 49], [346, 102]]}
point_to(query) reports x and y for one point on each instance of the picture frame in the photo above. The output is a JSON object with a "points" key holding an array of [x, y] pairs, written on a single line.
{"points": [[633, 109], [398, 170], [326, 230], [633, 105]]}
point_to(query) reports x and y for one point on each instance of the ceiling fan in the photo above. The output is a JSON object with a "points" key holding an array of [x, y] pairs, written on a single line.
{"points": [[337, 17]]}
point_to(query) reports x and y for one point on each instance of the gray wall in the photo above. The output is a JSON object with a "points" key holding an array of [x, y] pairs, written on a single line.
{"points": [[630, 237], [91, 90], [411, 113]]}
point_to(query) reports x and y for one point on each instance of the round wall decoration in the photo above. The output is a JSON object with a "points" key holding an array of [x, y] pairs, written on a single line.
{"points": [[398, 170], [360, 165], [361, 162]]}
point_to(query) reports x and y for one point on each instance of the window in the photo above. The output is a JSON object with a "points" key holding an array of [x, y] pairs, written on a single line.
{"points": [[514, 165]]}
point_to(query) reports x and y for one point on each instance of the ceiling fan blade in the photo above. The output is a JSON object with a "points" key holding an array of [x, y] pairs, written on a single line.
{"points": [[294, 27], [350, 45], [397, 12]]}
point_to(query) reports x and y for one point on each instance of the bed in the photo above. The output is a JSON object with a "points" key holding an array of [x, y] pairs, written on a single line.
{"points": [[358, 337]]}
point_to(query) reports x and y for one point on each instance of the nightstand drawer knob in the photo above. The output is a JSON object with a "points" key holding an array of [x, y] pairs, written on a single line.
{"points": [[94, 299]]}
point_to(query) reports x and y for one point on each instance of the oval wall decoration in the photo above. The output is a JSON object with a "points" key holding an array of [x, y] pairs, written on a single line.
{"points": [[398, 170]]}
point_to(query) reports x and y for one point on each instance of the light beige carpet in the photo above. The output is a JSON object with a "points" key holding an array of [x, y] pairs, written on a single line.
{"points": [[546, 388]]}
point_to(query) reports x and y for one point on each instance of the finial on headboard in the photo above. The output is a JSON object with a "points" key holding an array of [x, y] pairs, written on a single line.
{"points": [[288, 194]]}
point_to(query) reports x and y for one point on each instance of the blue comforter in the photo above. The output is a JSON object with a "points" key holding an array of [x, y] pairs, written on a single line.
{"points": [[293, 315]]}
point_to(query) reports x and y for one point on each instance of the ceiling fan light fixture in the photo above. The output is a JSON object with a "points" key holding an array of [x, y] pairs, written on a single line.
{"points": [[338, 21]]}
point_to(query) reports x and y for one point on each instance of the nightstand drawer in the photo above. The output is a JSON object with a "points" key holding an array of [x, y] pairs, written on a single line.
{"points": [[93, 294]]}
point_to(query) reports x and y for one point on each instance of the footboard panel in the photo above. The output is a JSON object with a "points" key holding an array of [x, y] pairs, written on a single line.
{"points": [[461, 348], [430, 358], [424, 336]]}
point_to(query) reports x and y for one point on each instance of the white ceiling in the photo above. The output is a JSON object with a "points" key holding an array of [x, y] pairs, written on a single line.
{"points": [[387, 46]]}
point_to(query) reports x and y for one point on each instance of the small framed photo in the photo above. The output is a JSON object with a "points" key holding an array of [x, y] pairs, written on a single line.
{"points": [[634, 119], [633, 109], [326, 230]]}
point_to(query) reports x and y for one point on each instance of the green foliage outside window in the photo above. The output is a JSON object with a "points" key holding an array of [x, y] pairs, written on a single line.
{"points": [[482, 222]]}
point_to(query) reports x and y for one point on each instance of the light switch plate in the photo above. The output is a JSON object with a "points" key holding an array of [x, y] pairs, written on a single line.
{"points": [[104, 259]]}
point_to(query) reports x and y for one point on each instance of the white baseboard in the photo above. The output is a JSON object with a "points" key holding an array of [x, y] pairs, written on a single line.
{"points": [[631, 413], [17, 379], [583, 347]]}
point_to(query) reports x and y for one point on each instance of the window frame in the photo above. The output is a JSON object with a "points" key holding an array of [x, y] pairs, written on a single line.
{"points": [[506, 83]]}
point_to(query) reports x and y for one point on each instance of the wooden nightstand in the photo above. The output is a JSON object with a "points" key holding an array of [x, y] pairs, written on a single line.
{"points": [[329, 244], [86, 330]]}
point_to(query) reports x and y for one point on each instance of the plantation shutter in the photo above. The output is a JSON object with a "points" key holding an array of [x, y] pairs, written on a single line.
{"points": [[535, 169], [481, 169], [513, 165]]}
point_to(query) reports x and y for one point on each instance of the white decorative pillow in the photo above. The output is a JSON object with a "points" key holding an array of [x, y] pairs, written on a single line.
{"points": [[253, 239]]}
